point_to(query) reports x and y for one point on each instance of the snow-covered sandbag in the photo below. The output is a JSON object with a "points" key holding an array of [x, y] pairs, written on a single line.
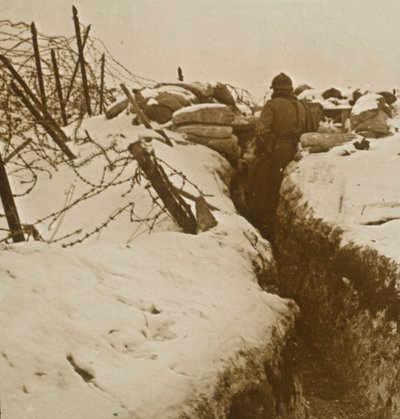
{"points": [[206, 130], [223, 95], [213, 113], [375, 124], [301, 88], [324, 141], [332, 93], [158, 113], [161, 102], [368, 116], [116, 108], [244, 122]]}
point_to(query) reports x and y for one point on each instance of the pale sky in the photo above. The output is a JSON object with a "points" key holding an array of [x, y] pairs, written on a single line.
{"points": [[323, 43]]}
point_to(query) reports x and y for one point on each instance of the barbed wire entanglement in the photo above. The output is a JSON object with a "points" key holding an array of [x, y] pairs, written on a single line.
{"points": [[31, 155], [102, 174], [16, 44], [43, 88]]}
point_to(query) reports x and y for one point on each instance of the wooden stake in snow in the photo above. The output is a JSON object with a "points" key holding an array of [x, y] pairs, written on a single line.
{"points": [[180, 74], [51, 127], [142, 116], [205, 218], [174, 203], [82, 60], [38, 64], [103, 63], [71, 84], [59, 88], [36, 108], [9, 206]]}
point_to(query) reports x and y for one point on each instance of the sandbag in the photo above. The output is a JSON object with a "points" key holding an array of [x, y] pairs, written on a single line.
{"points": [[371, 124], [325, 141], [223, 95], [161, 102], [227, 146], [207, 131], [116, 108], [158, 113], [216, 114]]}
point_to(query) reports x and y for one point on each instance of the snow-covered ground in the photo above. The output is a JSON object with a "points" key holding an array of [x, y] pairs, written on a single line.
{"points": [[359, 190], [124, 323]]}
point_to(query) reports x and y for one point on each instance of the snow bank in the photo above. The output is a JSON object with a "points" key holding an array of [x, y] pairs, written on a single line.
{"points": [[358, 191], [337, 246], [154, 327]]}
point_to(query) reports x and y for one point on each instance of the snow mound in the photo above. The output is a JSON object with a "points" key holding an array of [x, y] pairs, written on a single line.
{"points": [[357, 190], [114, 327]]}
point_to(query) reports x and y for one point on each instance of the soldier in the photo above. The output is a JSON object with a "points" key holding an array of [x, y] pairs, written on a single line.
{"points": [[282, 121]]}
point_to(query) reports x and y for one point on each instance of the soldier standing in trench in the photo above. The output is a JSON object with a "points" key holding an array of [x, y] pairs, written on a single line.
{"points": [[282, 121]]}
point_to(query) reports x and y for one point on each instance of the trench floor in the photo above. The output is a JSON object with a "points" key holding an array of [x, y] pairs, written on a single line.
{"points": [[325, 387]]}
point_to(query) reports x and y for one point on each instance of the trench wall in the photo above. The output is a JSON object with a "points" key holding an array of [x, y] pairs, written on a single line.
{"points": [[349, 297]]}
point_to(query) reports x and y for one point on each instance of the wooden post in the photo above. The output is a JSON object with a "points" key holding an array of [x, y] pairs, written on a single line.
{"points": [[59, 88], [71, 84], [142, 116], [38, 64], [173, 202], [46, 120], [82, 60], [180, 74], [9, 206], [103, 63], [52, 129]]}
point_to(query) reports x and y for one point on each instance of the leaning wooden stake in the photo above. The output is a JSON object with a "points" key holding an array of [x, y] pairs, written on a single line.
{"points": [[39, 112], [16, 151], [9, 206], [82, 60], [103, 63], [142, 116], [51, 127], [173, 202], [59, 88], [38, 65]]}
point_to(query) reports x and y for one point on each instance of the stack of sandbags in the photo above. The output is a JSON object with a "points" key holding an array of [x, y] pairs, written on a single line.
{"points": [[368, 116], [208, 124], [161, 102]]}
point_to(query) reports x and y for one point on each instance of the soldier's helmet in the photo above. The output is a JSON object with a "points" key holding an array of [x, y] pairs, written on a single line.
{"points": [[282, 82]]}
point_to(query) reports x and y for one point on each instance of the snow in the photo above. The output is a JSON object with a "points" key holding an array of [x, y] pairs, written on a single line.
{"points": [[122, 324], [366, 103], [358, 190]]}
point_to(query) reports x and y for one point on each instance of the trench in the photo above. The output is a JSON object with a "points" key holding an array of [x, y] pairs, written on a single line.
{"points": [[344, 349]]}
